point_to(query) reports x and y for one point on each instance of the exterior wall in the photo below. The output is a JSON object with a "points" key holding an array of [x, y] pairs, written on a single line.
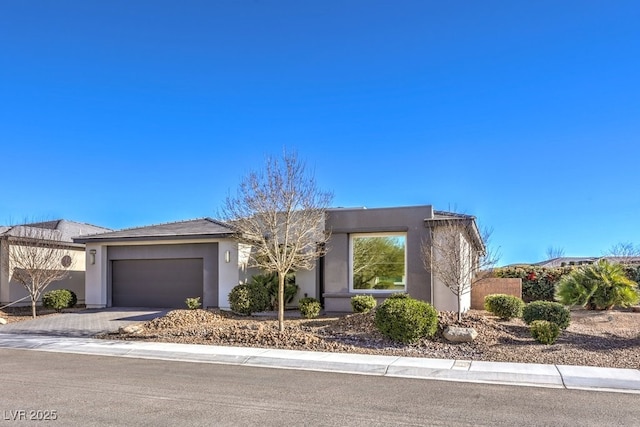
{"points": [[337, 263], [11, 290], [219, 276], [443, 298], [494, 285]]}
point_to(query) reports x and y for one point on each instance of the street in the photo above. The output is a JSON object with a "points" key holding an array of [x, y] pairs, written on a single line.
{"points": [[68, 389]]}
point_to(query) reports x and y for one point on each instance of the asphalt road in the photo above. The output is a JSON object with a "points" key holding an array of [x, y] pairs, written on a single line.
{"points": [[96, 390]]}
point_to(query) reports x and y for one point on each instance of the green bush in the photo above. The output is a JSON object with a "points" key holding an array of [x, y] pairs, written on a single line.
{"points": [[546, 310], [249, 298], [399, 295], [74, 299], [309, 307], [538, 283], [193, 303], [599, 286], [57, 299], [504, 306], [405, 319], [363, 303], [545, 332], [270, 282]]}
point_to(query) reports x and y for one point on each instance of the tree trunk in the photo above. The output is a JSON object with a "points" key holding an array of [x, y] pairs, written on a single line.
{"points": [[281, 277], [459, 307], [33, 307]]}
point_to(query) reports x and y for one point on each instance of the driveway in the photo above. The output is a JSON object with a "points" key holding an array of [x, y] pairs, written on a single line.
{"points": [[86, 323]]}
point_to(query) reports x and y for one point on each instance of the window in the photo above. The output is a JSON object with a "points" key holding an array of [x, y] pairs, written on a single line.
{"points": [[378, 262]]}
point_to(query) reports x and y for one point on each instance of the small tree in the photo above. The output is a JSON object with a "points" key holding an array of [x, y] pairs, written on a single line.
{"points": [[554, 252], [457, 253], [624, 252], [280, 213], [37, 258]]}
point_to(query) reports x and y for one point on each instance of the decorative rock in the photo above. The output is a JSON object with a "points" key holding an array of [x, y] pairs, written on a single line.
{"points": [[636, 308], [458, 334], [131, 329], [3, 321]]}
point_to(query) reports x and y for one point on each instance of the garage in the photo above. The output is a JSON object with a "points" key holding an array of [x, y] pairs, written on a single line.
{"points": [[156, 282]]}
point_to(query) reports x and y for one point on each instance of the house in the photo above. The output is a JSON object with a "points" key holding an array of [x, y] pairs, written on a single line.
{"points": [[371, 251], [570, 261], [61, 232]]}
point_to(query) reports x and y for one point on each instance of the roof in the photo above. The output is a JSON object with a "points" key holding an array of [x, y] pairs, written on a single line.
{"points": [[60, 229], [564, 261], [443, 218], [194, 228]]}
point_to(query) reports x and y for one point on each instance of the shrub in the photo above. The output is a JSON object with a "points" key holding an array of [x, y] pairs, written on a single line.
{"points": [[546, 310], [504, 306], [57, 299], [545, 332], [249, 298], [270, 282], [74, 299], [538, 283], [363, 303], [599, 286], [309, 307], [399, 295], [405, 319], [193, 303]]}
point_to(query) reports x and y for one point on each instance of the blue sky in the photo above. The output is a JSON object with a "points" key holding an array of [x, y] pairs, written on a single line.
{"points": [[525, 114]]}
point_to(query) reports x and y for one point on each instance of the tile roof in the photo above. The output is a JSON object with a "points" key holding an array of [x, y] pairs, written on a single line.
{"points": [[195, 228], [60, 229]]}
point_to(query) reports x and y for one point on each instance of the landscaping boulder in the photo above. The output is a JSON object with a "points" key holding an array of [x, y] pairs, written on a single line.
{"points": [[458, 334], [131, 329], [3, 321]]}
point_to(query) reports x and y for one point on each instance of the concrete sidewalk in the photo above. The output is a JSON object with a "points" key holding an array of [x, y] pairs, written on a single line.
{"points": [[554, 376]]}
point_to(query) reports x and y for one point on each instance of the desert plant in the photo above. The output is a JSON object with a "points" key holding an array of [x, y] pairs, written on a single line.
{"points": [[363, 303], [546, 310], [57, 299], [193, 303], [270, 282], [545, 332], [249, 298], [309, 307], [504, 306], [599, 286], [406, 320]]}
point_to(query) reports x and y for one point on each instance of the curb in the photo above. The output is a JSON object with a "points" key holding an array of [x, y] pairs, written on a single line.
{"points": [[518, 374]]}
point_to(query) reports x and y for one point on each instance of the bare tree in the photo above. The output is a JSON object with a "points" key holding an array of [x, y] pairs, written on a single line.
{"points": [[280, 213], [457, 253], [554, 252], [624, 252], [37, 258]]}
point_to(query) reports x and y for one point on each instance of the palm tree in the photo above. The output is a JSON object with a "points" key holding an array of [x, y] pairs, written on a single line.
{"points": [[599, 286]]}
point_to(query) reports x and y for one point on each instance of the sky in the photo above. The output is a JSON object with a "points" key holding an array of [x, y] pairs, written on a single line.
{"points": [[523, 114]]}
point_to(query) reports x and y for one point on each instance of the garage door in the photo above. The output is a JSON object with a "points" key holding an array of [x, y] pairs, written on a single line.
{"points": [[155, 282]]}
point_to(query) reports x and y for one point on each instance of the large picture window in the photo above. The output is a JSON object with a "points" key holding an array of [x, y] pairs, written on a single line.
{"points": [[378, 262]]}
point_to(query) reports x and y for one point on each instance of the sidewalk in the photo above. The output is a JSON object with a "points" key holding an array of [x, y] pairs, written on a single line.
{"points": [[537, 375]]}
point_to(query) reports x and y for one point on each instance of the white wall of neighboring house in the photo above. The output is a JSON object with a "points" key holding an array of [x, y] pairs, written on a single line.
{"points": [[229, 272], [12, 290], [96, 276]]}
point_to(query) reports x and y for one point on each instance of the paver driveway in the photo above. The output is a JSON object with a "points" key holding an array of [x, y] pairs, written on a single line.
{"points": [[86, 323]]}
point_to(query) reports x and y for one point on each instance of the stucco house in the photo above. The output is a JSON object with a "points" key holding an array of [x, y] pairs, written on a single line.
{"points": [[61, 232], [371, 251]]}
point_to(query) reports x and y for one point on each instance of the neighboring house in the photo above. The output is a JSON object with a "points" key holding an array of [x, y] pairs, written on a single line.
{"points": [[60, 231], [569, 261], [371, 251]]}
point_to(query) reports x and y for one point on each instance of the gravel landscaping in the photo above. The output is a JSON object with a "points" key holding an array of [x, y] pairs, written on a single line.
{"points": [[594, 338]]}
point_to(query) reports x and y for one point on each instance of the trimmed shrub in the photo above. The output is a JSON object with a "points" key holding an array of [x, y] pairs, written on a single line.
{"points": [[504, 306], [538, 283], [399, 295], [309, 307], [549, 311], [74, 299], [193, 303], [363, 303], [247, 299], [405, 319], [545, 332], [599, 286], [57, 299]]}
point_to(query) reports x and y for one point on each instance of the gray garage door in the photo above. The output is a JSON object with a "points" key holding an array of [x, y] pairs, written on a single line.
{"points": [[155, 282]]}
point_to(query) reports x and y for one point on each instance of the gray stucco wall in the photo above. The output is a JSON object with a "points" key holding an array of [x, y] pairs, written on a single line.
{"points": [[207, 251], [344, 222]]}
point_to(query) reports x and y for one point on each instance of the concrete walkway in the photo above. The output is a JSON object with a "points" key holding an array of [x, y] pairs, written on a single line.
{"points": [[555, 376]]}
